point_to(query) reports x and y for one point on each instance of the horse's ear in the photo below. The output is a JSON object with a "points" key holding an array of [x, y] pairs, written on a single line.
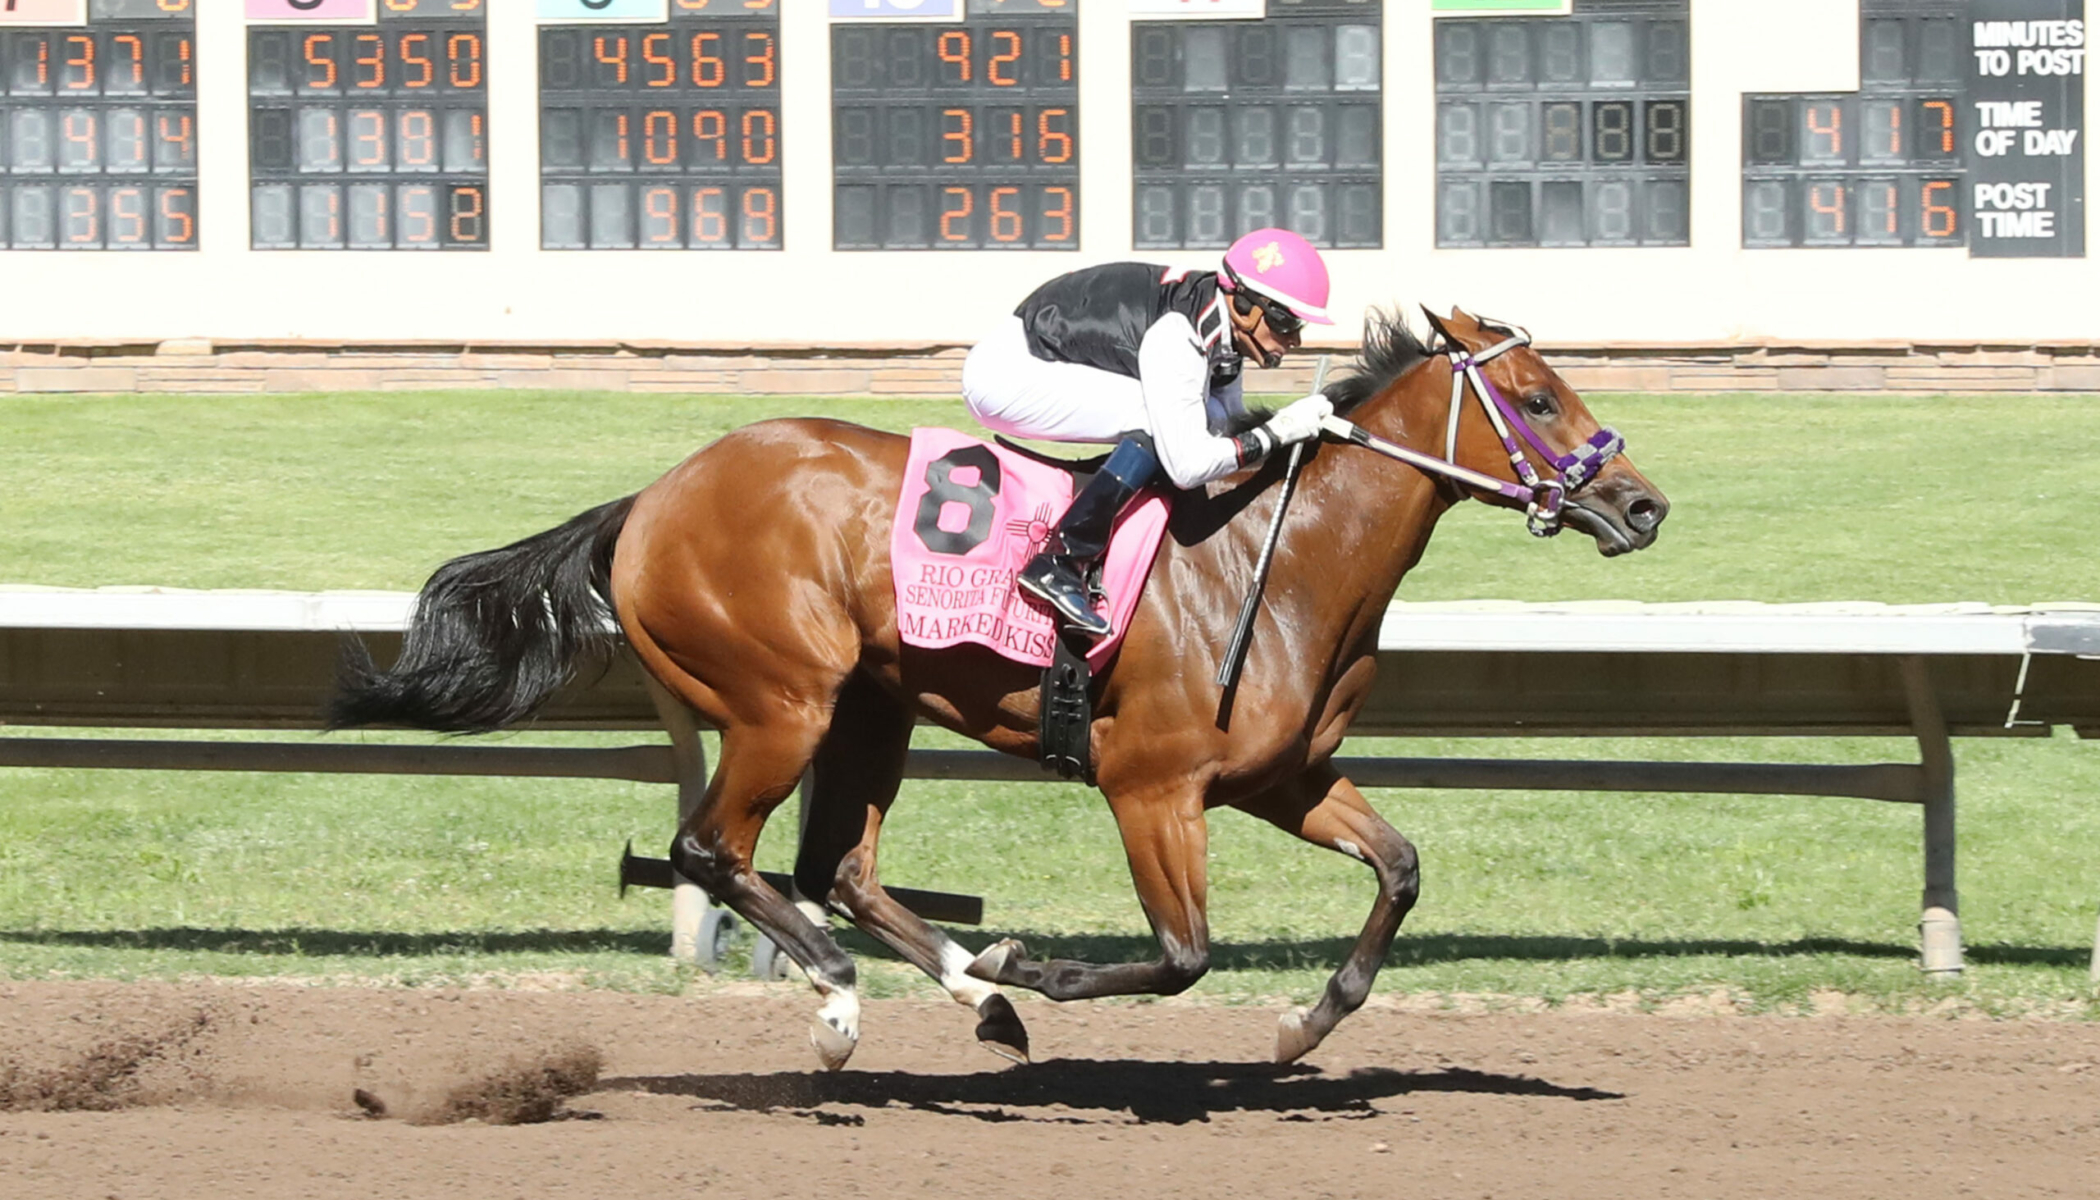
{"points": [[1437, 324]]}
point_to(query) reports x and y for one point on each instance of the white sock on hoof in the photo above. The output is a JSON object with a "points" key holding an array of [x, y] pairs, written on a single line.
{"points": [[836, 1031], [966, 988]]}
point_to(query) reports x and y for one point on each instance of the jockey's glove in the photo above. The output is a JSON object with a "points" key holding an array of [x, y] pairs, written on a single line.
{"points": [[1300, 420]]}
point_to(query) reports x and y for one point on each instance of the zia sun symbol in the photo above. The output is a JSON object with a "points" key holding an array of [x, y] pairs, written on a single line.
{"points": [[1033, 533]]}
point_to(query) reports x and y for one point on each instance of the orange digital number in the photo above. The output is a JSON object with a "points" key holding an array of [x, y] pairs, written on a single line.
{"points": [[414, 54], [466, 68], [766, 60], [377, 61], [43, 61], [1006, 223], [418, 138], [1832, 207], [182, 227], [617, 59], [710, 215], [1888, 196], [761, 215], [1013, 152], [709, 70], [954, 47], [951, 215], [1834, 130], [667, 65], [127, 215], [419, 225], [1011, 55], [325, 78], [761, 136], [138, 55], [660, 208], [961, 137], [380, 214], [1945, 109], [182, 54], [620, 128], [174, 6], [1053, 145], [710, 126], [660, 138], [83, 135], [85, 60], [1938, 220], [175, 130], [1062, 214], [368, 130], [1064, 58], [82, 206], [468, 205]]}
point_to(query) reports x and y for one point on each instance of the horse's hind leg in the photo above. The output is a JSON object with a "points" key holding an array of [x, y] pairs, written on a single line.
{"points": [[1166, 841], [1327, 810], [761, 762], [853, 782]]}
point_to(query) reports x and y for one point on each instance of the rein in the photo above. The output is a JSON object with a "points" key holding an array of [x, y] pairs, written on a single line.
{"points": [[1543, 499]]}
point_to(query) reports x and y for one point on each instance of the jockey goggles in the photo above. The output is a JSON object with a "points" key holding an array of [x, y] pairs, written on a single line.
{"points": [[1282, 321]]}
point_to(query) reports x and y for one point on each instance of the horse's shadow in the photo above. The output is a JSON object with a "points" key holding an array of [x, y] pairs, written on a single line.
{"points": [[1081, 1092]]}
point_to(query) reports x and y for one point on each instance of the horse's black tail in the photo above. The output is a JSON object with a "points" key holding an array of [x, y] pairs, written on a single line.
{"points": [[494, 634]]}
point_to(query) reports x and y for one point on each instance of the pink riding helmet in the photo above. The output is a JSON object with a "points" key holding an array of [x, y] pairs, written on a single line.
{"points": [[1282, 266]]}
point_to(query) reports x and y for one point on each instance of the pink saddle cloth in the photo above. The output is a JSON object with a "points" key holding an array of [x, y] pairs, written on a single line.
{"points": [[971, 515]]}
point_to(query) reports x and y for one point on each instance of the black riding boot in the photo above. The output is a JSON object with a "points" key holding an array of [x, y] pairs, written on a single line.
{"points": [[1057, 576]]}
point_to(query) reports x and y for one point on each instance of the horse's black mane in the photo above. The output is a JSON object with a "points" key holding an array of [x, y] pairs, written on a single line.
{"points": [[1390, 350]]}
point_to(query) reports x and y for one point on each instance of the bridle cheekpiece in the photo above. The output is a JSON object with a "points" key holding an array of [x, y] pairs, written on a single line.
{"points": [[1543, 498]]}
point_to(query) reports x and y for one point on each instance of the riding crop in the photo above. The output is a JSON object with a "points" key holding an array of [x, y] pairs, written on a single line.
{"points": [[1236, 650]]}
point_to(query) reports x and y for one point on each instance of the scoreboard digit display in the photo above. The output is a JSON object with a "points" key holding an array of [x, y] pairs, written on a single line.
{"points": [[1879, 167], [958, 135], [98, 125], [1566, 131], [1243, 125], [368, 124], [660, 129]]}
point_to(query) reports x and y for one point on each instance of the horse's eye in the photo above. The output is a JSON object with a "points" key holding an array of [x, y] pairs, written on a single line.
{"points": [[1540, 405]]}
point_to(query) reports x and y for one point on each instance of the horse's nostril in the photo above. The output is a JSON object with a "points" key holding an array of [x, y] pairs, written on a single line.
{"points": [[1645, 514]]}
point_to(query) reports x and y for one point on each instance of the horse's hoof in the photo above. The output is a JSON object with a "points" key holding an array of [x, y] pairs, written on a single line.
{"points": [[1000, 1029], [1294, 1039], [834, 1046], [991, 964]]}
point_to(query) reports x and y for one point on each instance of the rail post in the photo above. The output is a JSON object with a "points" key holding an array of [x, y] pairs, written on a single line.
{"points": [[1939, 928]]}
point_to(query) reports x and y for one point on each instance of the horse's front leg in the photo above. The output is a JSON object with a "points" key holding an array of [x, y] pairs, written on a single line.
{"points": [[1167, 843], [1327, 810]]}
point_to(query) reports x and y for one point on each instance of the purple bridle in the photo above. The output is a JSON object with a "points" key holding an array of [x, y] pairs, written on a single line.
{"points": [[1543, 498]]}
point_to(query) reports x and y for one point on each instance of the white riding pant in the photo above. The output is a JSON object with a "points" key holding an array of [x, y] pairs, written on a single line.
{"points": [[1011, 391]]}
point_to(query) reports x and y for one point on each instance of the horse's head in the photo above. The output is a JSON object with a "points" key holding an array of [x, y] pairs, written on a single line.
{"points": [[1530, 429]]}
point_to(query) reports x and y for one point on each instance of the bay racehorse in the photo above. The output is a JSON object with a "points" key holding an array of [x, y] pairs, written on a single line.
{"points": [[753, 583]]}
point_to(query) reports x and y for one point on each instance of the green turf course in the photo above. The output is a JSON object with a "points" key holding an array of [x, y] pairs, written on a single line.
{"points": [[427, 880]]}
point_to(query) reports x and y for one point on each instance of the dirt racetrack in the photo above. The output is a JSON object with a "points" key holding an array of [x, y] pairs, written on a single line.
{"points": [[247, 1090]]}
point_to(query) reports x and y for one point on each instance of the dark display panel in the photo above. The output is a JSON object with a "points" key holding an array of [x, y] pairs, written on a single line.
{"points": [[1244, 125], [958, 136], [663, 137], [1879, 167], [1566, 131], [371, 137], [98, 128]]}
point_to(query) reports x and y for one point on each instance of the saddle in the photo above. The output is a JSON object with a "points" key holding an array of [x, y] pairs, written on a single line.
{"points": [[969, 515]]}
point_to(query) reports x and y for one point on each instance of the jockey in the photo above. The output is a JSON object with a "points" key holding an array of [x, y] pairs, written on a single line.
{"points": [[1149, 358]]}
